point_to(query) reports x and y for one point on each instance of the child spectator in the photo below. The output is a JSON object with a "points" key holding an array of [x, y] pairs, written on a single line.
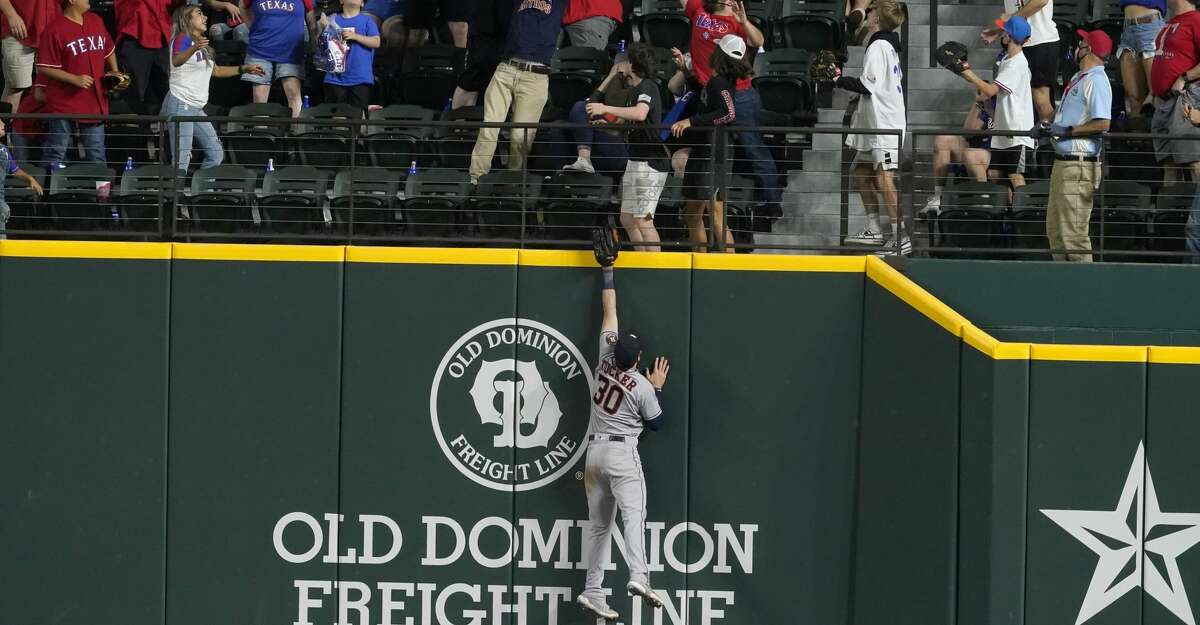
{"points": [[1013, 101], [648, 165], [9, 167], [74, 51], [21, 25], [143, 38], [228, 22], [277, 44], [715, 108], [353, 86], [882, 107], [192, 65], [1040, 48]]}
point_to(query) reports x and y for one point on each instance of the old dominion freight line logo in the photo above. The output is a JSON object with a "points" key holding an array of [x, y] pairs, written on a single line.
{"points": [[509, 404]]}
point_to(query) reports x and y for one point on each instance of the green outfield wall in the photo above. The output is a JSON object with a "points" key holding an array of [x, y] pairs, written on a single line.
{"points": [[193, 434]]}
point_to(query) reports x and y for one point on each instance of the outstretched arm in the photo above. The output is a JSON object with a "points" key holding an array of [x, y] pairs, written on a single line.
{"points": [[608, 301]]}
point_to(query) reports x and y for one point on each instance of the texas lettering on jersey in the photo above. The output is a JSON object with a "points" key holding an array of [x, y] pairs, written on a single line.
{"points": [[91, 43], [276, 5]]}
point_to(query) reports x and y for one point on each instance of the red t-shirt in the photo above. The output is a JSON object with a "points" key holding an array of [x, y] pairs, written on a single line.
{"points": [[76, 49], [707, 29], [147, 21], [583, 9], [1176, 50], [32, 128], [37, 14]]}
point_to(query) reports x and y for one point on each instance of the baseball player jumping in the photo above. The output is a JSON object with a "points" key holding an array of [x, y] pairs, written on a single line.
{"points": [[623, 401]]}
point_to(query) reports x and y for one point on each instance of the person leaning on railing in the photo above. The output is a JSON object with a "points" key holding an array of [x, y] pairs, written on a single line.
{"points": [[192, 66], [1083, 115]]}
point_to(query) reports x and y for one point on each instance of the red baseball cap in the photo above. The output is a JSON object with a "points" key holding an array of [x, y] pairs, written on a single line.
{"points": [[1097, 40]]}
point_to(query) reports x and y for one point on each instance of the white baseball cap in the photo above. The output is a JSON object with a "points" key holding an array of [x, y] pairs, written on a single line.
{"points": [[732, 45]]}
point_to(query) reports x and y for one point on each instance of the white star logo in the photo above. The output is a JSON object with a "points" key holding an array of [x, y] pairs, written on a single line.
{"points": [[1109, 535]]}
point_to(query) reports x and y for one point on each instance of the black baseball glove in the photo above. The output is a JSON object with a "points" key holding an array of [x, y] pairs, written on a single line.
{"points": [[115, 83], [606, 245], [952, 55], [824, 67]]}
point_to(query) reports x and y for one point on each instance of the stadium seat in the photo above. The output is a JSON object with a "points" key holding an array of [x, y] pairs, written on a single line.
{"points": [[504, 203], [758, 12], [662, 24], [1132, 159], [74, 198], [432, 83], [434, 199], [226, 93], [455, 144], [251, 144], [27, 212], [575, 74], [365, 200], [781, 78], [147, 194], [1028, 218], [293, 200], [812, 26], [326, 146], [970, 216], [573, 202], [1119, 219], [222, 200], [1166, 228]]}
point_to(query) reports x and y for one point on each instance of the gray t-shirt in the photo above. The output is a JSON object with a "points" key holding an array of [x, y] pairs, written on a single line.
{"points": [[622, 400]]}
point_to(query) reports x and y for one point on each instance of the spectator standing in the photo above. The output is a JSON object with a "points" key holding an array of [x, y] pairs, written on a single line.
{"points": [[1176, 63], [277, 44], [521, 82], [701, 185], [1041, 49], [485, 42], [21, 25], [421, 15], [227, 20], [192, 66], [589, 23], [1190, 109], [74, 51], [1012, 102], [648, 165], [880, 106], [1083, 115], [9, 167], [712, 20], [353, 86], [143, 36], [1143, 21]]}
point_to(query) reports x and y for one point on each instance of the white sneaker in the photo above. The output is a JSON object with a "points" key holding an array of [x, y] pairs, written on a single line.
{"points": [[645, 592], [891, 248], [597, 608], [581, 165], [866, 237], [933, 206]]}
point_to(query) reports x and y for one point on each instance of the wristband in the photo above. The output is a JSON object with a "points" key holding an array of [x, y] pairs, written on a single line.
{"points": [[609, 280]]}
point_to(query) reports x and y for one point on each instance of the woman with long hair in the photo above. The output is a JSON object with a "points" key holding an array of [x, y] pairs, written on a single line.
{"points": [[716, 108], [192, 66]]}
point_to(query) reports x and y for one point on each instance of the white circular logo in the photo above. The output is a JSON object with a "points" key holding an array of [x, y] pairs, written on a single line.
{"points": [[510, 404]]}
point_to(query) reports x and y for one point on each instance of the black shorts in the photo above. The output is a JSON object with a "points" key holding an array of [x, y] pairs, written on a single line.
{"points": [[354, 95], [1043, 64], [483, 57], [421, 13], [1010, 161]]}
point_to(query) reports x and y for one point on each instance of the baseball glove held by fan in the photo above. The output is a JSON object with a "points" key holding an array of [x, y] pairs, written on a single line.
{"points": [[952, 55], [115, 83], [606, 245], [824, 67]]}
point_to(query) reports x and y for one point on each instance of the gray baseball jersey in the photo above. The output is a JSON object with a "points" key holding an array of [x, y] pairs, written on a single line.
{"points": [[622, 400]]}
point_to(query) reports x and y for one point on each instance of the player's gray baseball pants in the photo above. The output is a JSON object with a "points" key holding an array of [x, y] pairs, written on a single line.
{"points": [[612, 479]]}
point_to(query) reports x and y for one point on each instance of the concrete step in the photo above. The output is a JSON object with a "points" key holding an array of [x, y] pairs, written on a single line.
{"points": [[830, 116], [966, 35], [979, 57], [826, 160], [948, 101], [940, 79]]}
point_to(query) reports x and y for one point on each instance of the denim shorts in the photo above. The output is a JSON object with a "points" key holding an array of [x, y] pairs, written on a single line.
{"points": [[1139, 38], [274, 71]]}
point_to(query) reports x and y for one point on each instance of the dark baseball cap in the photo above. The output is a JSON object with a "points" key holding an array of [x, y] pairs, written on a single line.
{"points": [[627, 350]]}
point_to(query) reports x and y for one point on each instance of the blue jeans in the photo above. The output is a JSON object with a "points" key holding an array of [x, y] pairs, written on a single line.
{"points": [[609, 153], [748, 107], [59, 137], [182, 134], [24, 150]]}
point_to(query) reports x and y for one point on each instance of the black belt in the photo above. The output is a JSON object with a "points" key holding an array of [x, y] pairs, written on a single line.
{"points": [[536, 68], [1143, 19], [1074, 158], [612, 438]]}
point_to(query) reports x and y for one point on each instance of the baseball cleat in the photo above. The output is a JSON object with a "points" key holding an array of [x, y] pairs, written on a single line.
{"points": [[599, 609], [643, 591]]}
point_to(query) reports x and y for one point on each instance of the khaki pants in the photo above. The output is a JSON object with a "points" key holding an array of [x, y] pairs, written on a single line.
{"points": [[524, 93], [1069, 211]]}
